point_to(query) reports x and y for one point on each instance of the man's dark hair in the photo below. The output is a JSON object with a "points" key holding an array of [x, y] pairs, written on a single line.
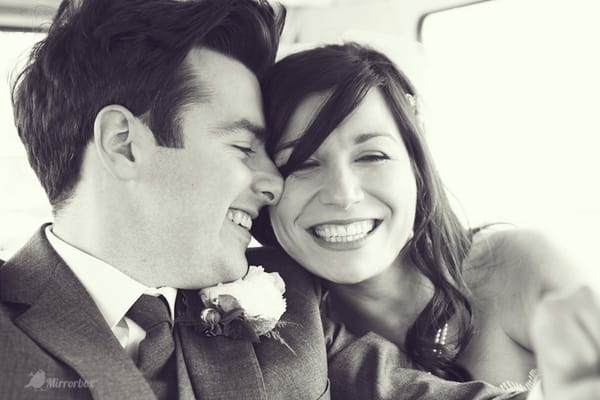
{"points": [[127, 52]]}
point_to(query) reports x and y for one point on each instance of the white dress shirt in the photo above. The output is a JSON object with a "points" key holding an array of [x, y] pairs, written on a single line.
{"points": [[113, 292]]}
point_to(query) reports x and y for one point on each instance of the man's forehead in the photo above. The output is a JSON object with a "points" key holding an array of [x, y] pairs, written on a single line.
{"points": [[212, 66], [230, 92]]}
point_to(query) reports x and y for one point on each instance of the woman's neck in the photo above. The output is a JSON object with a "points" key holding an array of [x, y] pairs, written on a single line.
{"points": [[386, 304]]}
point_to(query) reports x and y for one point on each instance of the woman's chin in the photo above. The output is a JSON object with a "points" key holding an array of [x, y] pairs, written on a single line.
{"points": [[347, 276]]}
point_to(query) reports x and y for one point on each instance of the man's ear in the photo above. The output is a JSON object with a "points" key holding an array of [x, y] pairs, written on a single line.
{"points": [[116, 133]]}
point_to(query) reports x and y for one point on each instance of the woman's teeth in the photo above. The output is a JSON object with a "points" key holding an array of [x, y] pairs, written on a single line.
{"points": [[344, 232], [240, 217]]}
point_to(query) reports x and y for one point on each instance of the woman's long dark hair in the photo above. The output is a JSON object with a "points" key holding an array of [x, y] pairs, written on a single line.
{"points": [[440, 244]]}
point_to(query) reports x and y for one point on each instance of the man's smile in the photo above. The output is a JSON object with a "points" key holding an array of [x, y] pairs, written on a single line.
{"points": [[239, 217]]}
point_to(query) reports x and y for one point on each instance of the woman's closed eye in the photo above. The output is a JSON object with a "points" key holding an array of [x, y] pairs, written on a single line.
{"points": [[303, 168], [308, 164], [373, 157]]}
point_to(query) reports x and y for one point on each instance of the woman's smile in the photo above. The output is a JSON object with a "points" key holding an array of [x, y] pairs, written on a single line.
{"points": [[343, 235]]}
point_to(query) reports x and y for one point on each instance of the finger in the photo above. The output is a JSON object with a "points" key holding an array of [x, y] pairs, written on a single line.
{"points": [[566, 334], [588, 316], [581, 305], [566, 354], [584, 390]]}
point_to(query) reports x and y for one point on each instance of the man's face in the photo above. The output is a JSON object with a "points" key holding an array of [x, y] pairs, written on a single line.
{"points": [[201, 199]]}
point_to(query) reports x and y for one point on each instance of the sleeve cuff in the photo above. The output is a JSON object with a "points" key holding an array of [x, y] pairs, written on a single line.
{"points": [[536, 392]]}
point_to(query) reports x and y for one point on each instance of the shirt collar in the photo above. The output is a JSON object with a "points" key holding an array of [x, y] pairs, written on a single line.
{"points": [[113, 291]]}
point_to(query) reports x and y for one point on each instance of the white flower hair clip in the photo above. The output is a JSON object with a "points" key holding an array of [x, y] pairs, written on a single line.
{"points": [[413, 103]]}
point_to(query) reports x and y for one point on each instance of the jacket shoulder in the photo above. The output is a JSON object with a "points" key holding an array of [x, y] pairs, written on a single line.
{"points": [[272, 258]]}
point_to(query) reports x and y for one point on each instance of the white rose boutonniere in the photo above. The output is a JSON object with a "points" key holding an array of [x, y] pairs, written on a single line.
{"points": [[259, 295], [248, 308]]}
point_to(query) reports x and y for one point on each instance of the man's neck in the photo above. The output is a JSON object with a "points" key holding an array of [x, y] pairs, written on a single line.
{"points": [[96, 236]]}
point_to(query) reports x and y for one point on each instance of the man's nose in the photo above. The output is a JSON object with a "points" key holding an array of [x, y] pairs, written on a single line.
{"points": [[341, 188], [268, 183]]}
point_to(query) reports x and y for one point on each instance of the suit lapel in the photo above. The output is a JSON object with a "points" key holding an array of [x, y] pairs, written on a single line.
{"points": [[65, 321], [219, 367]]}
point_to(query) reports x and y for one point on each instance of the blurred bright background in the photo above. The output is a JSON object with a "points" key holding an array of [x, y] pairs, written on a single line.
{"points": [[513, 92], [510, 89], [23, 203]]}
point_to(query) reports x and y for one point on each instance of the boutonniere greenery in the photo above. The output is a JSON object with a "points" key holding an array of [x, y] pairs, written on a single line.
{"points": [[249, 308]]}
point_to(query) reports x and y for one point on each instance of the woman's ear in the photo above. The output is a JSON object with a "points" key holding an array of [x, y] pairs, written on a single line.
{"points": [[116, 136]]}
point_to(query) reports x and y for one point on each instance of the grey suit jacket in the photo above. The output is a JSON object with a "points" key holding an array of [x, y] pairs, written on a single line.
{"points": [[54, 344]]}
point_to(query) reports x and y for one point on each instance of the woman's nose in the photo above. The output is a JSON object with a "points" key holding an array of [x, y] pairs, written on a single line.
{"points": [[342, 188]]}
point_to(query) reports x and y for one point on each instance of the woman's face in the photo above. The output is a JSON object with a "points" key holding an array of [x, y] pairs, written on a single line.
{"points": [[346, 213]]}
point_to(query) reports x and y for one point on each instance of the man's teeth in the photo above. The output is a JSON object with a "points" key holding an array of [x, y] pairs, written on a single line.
{"points": [[240, 217], [346, 232]]}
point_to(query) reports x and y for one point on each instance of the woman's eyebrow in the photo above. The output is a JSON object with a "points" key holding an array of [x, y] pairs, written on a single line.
{"points": [[364, 137]]}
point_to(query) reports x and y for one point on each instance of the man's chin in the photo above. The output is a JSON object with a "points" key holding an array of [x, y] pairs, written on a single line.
{"points": [[236, 269], [223, 271]]}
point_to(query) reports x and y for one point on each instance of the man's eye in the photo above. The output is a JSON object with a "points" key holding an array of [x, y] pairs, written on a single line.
{"points": [[246, 150], [373, 157]]}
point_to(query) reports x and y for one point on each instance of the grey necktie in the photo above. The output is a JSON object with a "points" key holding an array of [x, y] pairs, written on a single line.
{"points": [[156, 359]]}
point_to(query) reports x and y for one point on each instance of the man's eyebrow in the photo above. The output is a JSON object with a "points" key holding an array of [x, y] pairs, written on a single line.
{"points": [[244, 125]]}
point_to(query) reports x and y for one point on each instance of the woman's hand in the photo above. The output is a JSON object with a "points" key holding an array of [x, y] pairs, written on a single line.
{"points": [[565, 332]]}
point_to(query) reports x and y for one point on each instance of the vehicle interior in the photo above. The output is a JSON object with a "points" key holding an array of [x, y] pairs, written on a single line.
{"points": [[509, 87]]}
